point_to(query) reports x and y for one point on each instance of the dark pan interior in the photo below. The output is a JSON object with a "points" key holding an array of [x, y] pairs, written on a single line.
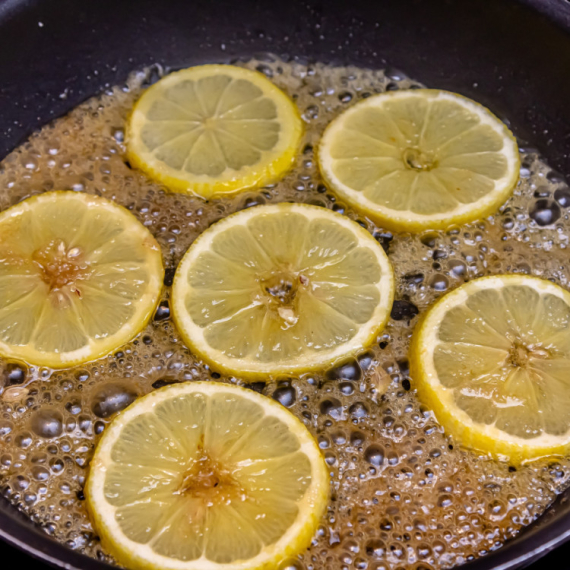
{"points": [[55, 54]]}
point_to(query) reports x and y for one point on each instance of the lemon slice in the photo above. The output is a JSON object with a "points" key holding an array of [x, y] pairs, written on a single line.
{"points": [[206, 476], [79, 276], [492, 359], [420, 159], [214, 129], [281, 289]]}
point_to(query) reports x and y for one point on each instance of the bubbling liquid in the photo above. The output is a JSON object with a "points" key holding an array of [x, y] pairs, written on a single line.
{"points": [[403, 494]]}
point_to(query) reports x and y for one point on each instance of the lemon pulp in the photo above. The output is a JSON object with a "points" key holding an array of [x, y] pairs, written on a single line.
{"points": [[281, 288], [420, 159], [79, 276], [206, 476], [492, 359], [214, 129]]}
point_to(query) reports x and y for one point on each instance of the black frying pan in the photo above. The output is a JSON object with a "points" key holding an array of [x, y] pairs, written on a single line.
{"points": [[56, 53]]}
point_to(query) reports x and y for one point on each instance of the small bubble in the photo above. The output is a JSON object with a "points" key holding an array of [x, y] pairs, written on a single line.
{"points": [[119, 135], [47, 423], [365, 360], [162, 382], [14, 374], [458, 268], [82, 375], [429, 240], [439, 282], [562, 196], [254, 201], [162, 312], [5, 427], [444, 501], [24, 440], [395, 74], [414, 278], [358, 410], [357, 438], [112, 398], [311, 113], [374, 454], [265, 69], [40, 473], [14, 394], [376, 548], [339, 438], [332, 407], [545, 212], [348, 370], [285, 395]]}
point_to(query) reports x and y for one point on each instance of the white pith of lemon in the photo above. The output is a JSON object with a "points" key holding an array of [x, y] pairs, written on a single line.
{"points": [[213, 130], [420, 159], [79, 277], [492, 359], [281, 289], [206, 476]]}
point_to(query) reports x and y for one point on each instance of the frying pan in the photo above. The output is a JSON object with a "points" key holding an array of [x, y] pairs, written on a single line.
{"points": [[514, 57]]}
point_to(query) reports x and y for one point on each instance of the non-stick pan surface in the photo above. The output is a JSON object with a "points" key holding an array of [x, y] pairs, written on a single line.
{"points": [[56, 53]]}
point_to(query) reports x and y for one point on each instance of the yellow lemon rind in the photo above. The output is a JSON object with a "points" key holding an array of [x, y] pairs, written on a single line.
{"points": [[146, 305], [205, 186], [486, 439], [406, 221], [300, 534], [312, 362]]}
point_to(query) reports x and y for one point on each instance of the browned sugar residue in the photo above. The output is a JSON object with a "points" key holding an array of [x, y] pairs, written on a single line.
{"points": [[403, 494]]}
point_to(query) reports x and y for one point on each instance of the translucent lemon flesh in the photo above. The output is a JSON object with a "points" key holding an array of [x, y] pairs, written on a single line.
{"points": [[214, 129], [420, 159], [79, 276], [206, 476], [281, 288], [492, 359]]}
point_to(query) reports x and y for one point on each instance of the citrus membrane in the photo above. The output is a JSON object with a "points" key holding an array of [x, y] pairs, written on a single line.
{"points": [[281, 288], [214, 129], [492, 360], [79, 276], [420, 159], [206, 476]]}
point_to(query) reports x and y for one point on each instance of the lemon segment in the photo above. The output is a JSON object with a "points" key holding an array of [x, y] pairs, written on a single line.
{"points": [[79, 276], [492, 359], [214, 129], [281, 288], [206, 476], [420, 159]]}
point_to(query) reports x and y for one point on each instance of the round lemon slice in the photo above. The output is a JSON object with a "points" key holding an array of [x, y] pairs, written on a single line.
{"points": [[420, 159], [214, 129], [79, 276], [206, 476], [492, 359], [281, 289]]}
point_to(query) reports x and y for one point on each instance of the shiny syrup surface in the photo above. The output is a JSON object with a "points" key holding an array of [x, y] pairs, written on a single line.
{"points": [[403, 494]]}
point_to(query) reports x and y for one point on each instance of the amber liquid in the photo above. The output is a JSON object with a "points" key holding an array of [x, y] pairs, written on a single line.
{"points": [[403, 494]]}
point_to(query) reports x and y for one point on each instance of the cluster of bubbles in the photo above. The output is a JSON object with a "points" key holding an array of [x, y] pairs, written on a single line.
{"points": [[403, 494]]}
